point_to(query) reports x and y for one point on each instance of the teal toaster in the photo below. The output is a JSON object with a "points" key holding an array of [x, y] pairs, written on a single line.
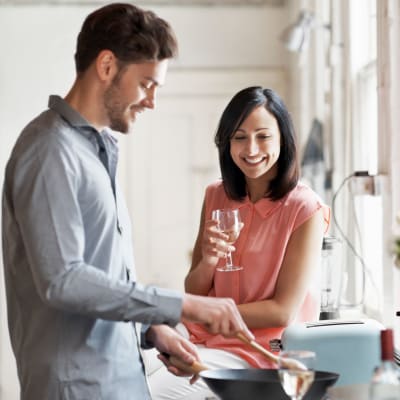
{"points": [[349, 348]]}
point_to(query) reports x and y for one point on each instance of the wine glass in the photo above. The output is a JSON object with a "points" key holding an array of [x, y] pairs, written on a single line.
{"points": [[296, 372], [229, 223]]}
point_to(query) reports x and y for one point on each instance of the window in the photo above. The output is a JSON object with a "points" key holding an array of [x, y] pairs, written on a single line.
{"points": [[366, 224], [359, 216]]}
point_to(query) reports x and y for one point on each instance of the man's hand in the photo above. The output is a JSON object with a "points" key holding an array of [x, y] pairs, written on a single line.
{"points": [[170, 343], [218, 315]]}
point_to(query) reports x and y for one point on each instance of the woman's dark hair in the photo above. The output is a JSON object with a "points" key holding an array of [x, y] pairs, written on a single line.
{"points": [[132, 34], [238, 109]]}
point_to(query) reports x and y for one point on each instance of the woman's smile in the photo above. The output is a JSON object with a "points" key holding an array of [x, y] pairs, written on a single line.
{"points": [[254, 161]]}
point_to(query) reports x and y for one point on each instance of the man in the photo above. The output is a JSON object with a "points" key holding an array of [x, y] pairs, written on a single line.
{"points": [[71, 289]]}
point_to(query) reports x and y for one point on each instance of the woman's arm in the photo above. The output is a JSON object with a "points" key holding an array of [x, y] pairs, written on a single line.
{"points": [[209, 247], [300, 262]]}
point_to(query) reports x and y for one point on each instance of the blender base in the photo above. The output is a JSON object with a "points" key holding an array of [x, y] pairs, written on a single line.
{"points": [[323, 315]]}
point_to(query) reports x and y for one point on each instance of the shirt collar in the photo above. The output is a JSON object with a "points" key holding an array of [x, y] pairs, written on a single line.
{"points": [[264, 206], [60, 106]]}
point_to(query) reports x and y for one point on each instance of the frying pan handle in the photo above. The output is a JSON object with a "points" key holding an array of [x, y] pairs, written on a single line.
{"points": [[194, 368], [271, 356]]}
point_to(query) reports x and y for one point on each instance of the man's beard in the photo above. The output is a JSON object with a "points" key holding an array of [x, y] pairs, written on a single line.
{"points": [[115, 109]]}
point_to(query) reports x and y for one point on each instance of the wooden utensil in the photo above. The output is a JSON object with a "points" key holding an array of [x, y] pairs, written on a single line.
{"points": [[288, 362], [197, 366], [194, 368]]}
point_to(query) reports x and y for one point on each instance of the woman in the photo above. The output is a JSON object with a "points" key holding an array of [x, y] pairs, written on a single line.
{"points": [[280, 242]]}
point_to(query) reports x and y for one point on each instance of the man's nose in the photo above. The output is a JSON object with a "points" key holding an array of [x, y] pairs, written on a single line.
{"points": [[150, 100]]}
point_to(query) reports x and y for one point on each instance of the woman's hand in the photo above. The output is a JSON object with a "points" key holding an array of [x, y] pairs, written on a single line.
{"points": [[214, 245], [210, 246]]}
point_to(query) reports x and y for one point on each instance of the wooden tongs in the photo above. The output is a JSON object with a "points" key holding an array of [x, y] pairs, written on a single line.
{"points": [[197, 366], [288, 363], [194, 368]]}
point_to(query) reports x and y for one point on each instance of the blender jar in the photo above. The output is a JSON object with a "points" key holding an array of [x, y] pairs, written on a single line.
{"points": [[331, 278]]}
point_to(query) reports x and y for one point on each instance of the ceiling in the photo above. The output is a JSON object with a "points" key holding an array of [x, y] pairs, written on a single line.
{"points": [[206, 3]]}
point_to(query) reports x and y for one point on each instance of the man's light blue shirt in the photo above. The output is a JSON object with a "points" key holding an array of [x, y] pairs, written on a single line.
{"points": [[67, 253]]}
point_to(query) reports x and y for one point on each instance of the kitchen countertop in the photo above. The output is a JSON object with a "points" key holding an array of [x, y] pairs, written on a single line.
{"points": [[350, 392]]}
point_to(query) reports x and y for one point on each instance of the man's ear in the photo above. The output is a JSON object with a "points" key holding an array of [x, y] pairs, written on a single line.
{"points": [[106, 65]]}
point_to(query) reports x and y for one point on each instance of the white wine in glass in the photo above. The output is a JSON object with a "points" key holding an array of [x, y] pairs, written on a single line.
{"points": [[229, 223], [296, 381]]}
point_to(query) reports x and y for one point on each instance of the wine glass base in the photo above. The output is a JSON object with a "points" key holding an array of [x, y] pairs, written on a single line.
{"points": [[229, 269]]}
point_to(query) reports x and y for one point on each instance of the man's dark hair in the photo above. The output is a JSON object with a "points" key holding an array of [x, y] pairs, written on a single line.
{"points": [[238, 109], [132, 34]]}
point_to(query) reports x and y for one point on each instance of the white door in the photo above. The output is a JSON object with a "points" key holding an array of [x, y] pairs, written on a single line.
{"points": [[169, 159]]}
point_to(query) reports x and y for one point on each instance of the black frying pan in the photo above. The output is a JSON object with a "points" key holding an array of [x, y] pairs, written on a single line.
{"points": [[260, 384]]}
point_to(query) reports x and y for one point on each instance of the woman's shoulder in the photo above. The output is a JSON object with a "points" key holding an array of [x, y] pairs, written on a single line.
{"points": [[304, 202], [303, 193], [216, 187], [215, 196]]}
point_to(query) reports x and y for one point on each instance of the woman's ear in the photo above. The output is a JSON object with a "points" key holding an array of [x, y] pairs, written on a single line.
{"points": [[106, 65]]}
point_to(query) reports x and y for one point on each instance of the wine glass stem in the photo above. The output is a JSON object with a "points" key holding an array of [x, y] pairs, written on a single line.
{"points": [[229, 263]]}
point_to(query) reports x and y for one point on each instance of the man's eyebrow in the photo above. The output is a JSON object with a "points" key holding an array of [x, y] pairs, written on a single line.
{"points": [[149, 78]]}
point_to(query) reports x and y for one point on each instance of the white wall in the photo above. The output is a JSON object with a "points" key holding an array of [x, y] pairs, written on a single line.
{"points": [[37, 45]]}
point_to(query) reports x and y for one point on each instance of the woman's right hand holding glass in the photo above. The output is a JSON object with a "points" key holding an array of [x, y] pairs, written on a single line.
{"points": [[214, 245], [211, 246], [230, 224]]}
